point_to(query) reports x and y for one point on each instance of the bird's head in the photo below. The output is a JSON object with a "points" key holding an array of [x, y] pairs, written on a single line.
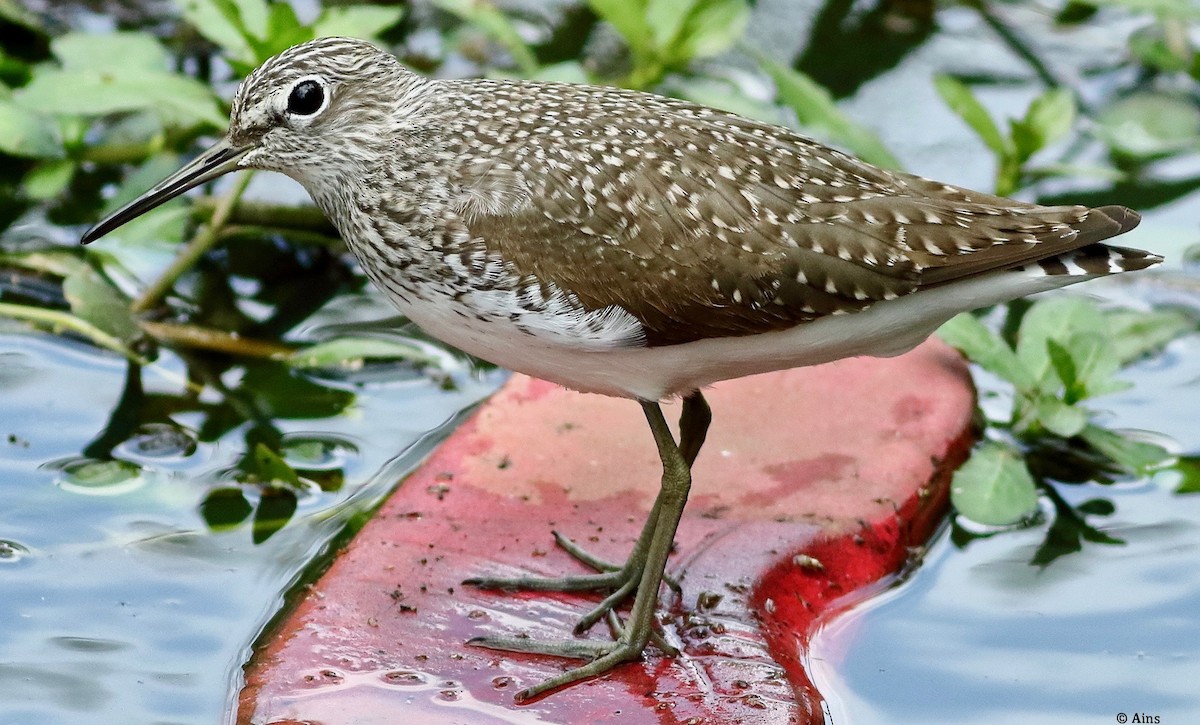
{"points": [[318, 111]]}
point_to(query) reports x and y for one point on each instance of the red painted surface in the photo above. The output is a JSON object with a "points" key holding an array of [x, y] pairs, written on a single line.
{"points": [[847, 463]]}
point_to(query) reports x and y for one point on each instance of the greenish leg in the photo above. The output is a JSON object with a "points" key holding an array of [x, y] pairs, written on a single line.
{"points": [[623, 580], [631, 638], [693, 427]]}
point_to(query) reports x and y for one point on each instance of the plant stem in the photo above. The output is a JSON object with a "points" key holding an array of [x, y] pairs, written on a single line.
{"points": [[1017, 44], [60, 320], [260, 214], [206, 338], [127, 153], [195, 249], [298, 237]]}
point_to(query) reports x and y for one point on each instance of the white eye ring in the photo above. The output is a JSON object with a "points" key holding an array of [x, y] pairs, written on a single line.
{"points": [[308, 97]]}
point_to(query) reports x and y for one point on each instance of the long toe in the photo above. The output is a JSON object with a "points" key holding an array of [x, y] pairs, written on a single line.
{"points": [[631, 569], [606, 607], [618, 653], [603, 655], [579, 649], [580, 554], [579, 583]]}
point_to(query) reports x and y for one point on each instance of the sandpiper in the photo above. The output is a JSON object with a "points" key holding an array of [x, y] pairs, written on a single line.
{"points": [[632, 245]]}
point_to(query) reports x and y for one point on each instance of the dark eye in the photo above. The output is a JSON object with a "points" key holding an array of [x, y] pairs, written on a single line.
{"points": [[306, 98]]}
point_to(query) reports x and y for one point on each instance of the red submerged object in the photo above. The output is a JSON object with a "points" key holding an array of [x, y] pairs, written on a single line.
{"points": [[812, 485]]}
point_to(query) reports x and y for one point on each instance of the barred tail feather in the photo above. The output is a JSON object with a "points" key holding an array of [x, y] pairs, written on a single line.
{"points": [[1094, 260]]}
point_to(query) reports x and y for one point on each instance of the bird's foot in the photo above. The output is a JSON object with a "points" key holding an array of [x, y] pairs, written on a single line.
{"points": [[631, 569], [621, 580], [642, 572], [604, 656]]}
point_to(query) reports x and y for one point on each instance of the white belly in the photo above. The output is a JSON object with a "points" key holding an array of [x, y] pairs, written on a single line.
{"points": [[653, 373]]}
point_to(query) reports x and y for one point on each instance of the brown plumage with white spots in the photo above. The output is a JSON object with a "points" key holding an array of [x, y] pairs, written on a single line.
{"points": [[632, 245]]}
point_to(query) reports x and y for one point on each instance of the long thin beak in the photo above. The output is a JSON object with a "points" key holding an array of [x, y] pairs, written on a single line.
{"points": [[220, 159]]}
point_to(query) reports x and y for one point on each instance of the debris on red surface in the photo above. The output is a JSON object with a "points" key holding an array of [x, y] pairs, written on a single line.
{"points": [[813, 485]]}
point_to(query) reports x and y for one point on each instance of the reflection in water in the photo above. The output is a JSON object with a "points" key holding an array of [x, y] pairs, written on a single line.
{"points": [[11, 552], [428, 700], [159, 442], [154, 570], [982, 635], [90, 477]]}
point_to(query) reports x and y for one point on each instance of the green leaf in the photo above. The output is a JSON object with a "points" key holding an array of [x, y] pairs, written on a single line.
{"points": [[993, 487], [351, 353], [711, 27], [1026, 140], [178, 100], [313, 454], [110, 51], [1064, 365], [1061, 539], [275, 508], [1096, 364], [280, 393], [962, 101], [55, 261], [1049, 118], [629, 19], [1189, 469], [220, 22], [265, 468], [231, 24], [985, 348], [284, 30], [103, 477], [121, 139], [269, 468], [73, 130], [1150, 124], [1133, 455], [1008, 176], [253, 16], [1152, 48], [665, 19], [48, 180], [1060, 418], [815, 108], [1137, 334], [224, 508], [95, 300], [1097, 507], [58, 321], [1056, 319], [357, 21], [26, 133], [1069, 529]]}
